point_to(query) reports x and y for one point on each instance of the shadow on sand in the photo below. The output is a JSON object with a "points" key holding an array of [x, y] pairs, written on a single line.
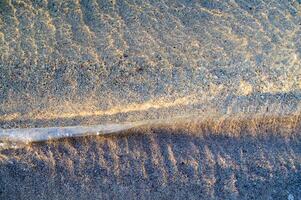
{"points": [[158, 163]]}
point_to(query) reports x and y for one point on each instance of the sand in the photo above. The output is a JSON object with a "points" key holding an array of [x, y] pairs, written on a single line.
{"points": [[139, 60], [99, 62], [230, 159]]}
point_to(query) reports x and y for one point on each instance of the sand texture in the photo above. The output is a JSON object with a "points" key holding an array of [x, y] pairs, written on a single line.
{"points": [[215, 86], [257, 158], [117, 61]]}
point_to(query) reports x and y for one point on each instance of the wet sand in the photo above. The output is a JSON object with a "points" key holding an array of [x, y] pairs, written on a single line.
{"points": [[229, 159]]}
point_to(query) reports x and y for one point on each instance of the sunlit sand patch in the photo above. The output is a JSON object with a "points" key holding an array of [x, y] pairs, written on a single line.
{"points": [[155, 104], [245, 88]]}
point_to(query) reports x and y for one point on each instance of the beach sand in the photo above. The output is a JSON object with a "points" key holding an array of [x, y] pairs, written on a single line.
{"points": [[226, 159], [83, 63]]}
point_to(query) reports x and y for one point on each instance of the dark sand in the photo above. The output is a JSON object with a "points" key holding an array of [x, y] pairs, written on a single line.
{"points": [[230, 159]]}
